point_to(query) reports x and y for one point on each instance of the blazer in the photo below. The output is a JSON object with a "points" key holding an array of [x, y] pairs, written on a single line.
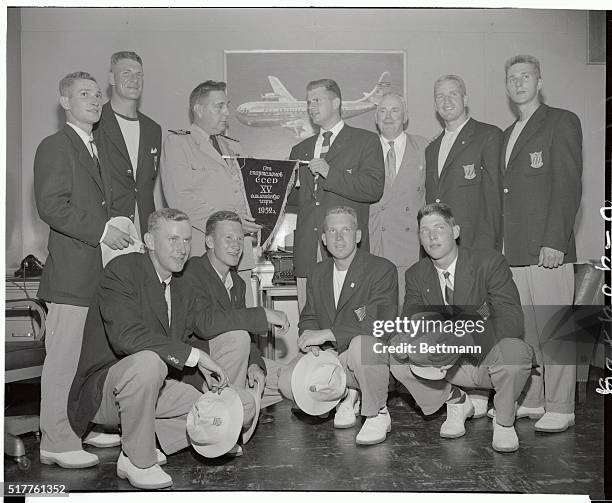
{"points": [[196, 179], [72, 197], [483, 281], [394, 231], [469, 183], [129, 314], [356, 178], [370, 286], [542, 186], [114, 154]]}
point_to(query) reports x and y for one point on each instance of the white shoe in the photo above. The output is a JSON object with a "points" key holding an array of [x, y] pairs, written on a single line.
{"points": [[235, 452], [375, 429], [345, 411], [161, 457], [152, 477], [555, 422], [480, 406], [70, 459], [522, 411], [504, 438], [102, 439], [456, 414]]}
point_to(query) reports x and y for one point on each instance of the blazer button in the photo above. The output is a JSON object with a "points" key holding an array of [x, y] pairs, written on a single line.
{"points": [[316, 230], [382, 208], [407, 229], [383, 229], [132, 218], [437, 200], [103, 203], [506, 191], [135, 189], [129, 171], [407, 208], [317, 203]]}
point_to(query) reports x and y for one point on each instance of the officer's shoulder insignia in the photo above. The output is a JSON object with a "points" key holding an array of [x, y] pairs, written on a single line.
{"points": [[229, 138], [179, 131]]}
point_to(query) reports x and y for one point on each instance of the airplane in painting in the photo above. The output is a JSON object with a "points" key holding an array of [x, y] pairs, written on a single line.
{"points": [[280, 108]]}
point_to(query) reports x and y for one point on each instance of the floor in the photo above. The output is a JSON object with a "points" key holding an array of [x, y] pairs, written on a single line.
{"points": [[297, 452]]}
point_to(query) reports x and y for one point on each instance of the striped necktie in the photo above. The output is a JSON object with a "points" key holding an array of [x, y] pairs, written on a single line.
{"points": [[448, 289], [390, 163], [94, 155], [326, 144]]}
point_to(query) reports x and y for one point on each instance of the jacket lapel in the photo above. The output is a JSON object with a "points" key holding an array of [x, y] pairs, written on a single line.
{"points": [[533, 124], [433, 293], [215, 280], [327, 289], [111, 128], [434, 151], [461, 143], [352, 281], [205, 145], [155, 293], [464, 279], [143, 146], [85, 158]]}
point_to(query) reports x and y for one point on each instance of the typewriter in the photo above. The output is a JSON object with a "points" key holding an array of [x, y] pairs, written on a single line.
{"points": [[283, 267]]}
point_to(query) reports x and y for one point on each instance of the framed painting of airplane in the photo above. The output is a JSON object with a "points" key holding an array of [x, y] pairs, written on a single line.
{"points": [[267, 90]]}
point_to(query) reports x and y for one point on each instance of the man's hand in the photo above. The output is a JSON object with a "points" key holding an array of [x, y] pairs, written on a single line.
{"points": [[249, 226], [310, 340], [550, 258], [254, 375], [215, 376], [116, 239], [278, 319], [319, 167]]}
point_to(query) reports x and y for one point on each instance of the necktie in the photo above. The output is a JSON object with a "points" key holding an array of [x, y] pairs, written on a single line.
{"points": [[166, 288], [326, 143], [448, 289], [94, 155], [390, 165], [324, 149], [215, 143]]}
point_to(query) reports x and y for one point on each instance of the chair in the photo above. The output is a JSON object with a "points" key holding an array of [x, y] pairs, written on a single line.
{"points": [[24, 356]]}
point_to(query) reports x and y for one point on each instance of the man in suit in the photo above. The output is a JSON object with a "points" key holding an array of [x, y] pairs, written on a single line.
{"points": [[462, 167], [476, 284], [345, 168], [73, 196], [129, 142], [393, 225], [198, 179], [227, 322], [135, 353], [542, 155], [345, 295]]}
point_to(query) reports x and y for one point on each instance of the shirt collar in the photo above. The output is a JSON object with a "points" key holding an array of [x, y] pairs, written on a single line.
{"points": [[450, 268], [84, 136], [167, 280], [199, 132], [398, 143], [229, 282], [335, 130], [458, 130]]}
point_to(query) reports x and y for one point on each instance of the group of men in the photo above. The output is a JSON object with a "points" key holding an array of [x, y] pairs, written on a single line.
{"points": [[137, 343]]}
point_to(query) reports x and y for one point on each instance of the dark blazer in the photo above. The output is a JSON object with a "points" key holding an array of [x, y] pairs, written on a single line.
{"points": [[542, 186], [113, 153], [73, 199], [219, 314], [469, 183], [483, 282], [129, 314], [370, 283], [356, 178]]}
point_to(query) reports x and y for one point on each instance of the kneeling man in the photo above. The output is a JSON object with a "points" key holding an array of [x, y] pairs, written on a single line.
{"points": [[133, 354], [345, 295], [472, 285]]}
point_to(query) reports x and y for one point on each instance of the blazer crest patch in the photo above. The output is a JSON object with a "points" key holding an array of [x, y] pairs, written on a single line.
{"points": [[469, 173], [536, 159]]}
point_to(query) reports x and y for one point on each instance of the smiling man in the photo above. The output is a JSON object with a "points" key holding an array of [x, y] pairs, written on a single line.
{"points": [[475, 284], [345, 168], [542, 152], [200, 174], [345, 295], [227, 322], [463, 166], [73, 196], [129, 142], [393, 225], [134, 354]]}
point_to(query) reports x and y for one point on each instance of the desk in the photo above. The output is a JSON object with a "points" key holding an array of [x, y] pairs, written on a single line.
{"points": [[288, 295]]}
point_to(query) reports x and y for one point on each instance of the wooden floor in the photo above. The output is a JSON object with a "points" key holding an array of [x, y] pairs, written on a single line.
{"points": [[299, 453]]}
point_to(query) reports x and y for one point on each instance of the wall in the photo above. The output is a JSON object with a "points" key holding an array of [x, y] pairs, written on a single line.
{"points": [[182, 47]]}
